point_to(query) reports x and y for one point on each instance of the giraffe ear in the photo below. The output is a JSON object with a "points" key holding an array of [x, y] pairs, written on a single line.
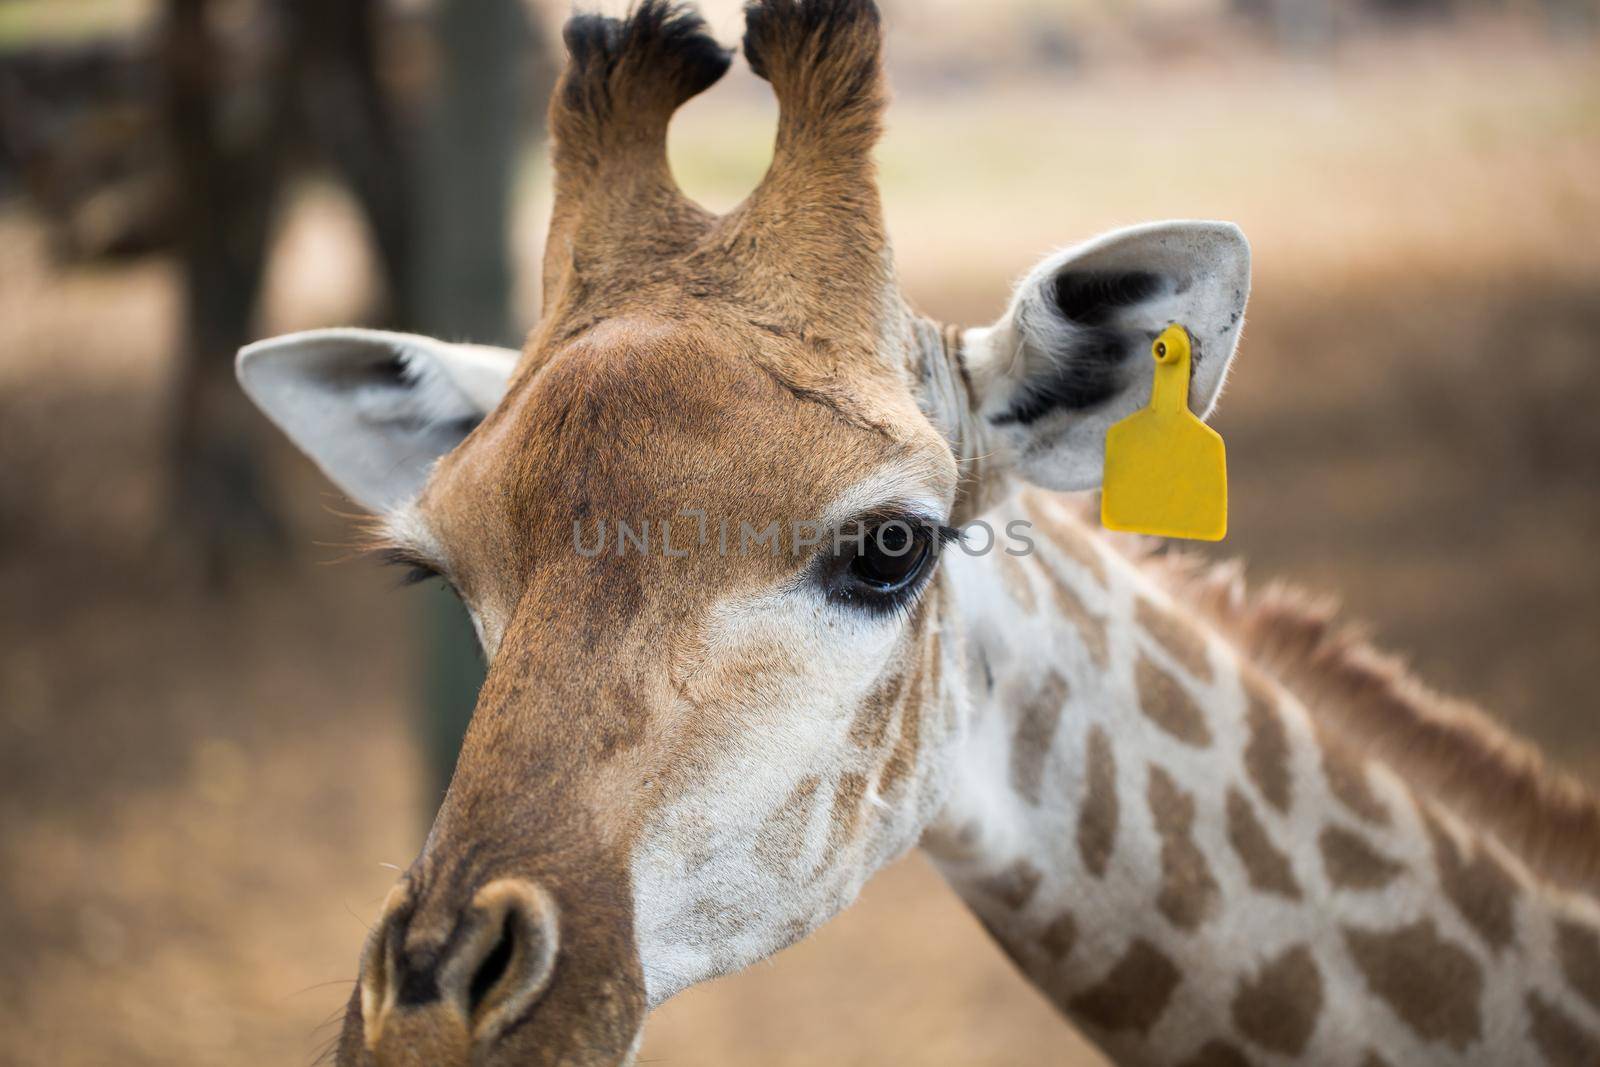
{"points": [[374, 409], [1071, 355]]}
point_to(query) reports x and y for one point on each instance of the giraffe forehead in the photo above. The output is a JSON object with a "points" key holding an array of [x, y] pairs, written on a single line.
{"points": [[663, 412], [667, 428]]}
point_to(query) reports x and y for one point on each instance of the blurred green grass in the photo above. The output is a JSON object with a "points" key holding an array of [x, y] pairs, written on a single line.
{"points": [[26, 22]]}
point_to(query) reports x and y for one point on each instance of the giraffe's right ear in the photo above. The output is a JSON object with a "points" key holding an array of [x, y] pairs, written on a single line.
{"points": [[374, 409], [1071, 356]]}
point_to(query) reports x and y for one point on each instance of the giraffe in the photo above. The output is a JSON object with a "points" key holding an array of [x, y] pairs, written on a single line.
{"points": [[1213, 829]]}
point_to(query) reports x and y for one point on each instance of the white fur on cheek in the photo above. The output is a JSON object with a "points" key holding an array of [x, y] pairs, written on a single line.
{"points": [[706, 903]]}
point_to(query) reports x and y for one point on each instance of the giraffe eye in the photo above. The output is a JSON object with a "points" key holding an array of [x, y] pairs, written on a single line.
{"points": [[414, 569], [879, 564], [892, 556]]}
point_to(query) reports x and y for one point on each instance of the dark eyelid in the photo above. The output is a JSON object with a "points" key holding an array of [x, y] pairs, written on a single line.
{"points": [[916, 520], [417, 569], [900, 602], [842, 534]]}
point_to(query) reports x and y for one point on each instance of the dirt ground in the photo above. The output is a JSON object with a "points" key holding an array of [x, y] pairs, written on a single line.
{"points": [[199, 792]]}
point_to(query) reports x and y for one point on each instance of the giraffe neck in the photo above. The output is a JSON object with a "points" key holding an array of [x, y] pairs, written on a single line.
{"points": [[1172, 849]]}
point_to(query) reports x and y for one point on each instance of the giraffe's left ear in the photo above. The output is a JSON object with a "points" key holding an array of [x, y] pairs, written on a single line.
{"points": [[374, 409], [1071, 356]]}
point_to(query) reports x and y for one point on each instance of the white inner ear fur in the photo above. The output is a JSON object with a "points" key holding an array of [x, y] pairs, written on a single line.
{"points": [[374, 410], [1204, 270]]}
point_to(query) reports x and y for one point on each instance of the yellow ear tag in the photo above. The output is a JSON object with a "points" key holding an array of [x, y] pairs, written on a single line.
{"points": [[1166, 471]]}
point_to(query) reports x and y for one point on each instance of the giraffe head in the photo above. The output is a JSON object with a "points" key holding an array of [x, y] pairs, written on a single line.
{"points": [[697, 522]]}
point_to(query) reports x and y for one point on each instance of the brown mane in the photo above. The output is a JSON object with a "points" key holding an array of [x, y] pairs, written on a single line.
{"points": [[1447, 748]]}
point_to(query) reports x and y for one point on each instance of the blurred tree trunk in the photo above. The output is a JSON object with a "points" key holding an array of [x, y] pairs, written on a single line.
{"points": [[490, 53], [495, 73], [241, 105], [1303, 27], [228, 164], [352, 125], [438, 210]]}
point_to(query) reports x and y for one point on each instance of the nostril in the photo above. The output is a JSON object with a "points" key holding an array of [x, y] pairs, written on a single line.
{"points": [[504, 958], [489, 969], [494, 965]]}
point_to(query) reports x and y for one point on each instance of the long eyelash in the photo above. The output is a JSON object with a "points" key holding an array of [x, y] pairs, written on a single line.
{"points": [[417, 570], [944, 535], [900, 604], [903, 602]]}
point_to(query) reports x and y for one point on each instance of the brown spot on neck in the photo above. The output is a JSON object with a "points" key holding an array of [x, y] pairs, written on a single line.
{"points": [[1037, 721], [1268, 869], [1579, 950], [1217, 1054], [1188, 890], [1431, 983], [1059, 937], [1560, 1039], [1014, 886], [1019, 587], [1345, 772], [1134, 995], [1353, 863], [1098, 817], [1278, 1009], [1090, 627], [1481, 889], [1181, 639], [1266, 753], [1166, 702], [1069, 537]]}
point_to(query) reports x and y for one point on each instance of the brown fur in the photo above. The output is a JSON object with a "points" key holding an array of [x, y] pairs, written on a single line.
{"points": [[1560, 1039], [1039, 717], [1168, 703], [1059, 937], [1433, 984], [1352, 862], [1278, 1007], [1367, 702], [1091, 627], [1134, 994], [1015, 885], [1579, 949], [1266, 754], [1189, 891], [1217, 1054], [1482, 890], [1181, 639], [1265, 864], [1069, 537], [1100, 812]]}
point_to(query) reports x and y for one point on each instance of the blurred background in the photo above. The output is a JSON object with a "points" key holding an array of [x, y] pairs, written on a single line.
{"points": [[219, 738]]}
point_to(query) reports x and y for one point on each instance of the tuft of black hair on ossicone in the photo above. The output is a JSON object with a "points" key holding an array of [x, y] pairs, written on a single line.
{"points": [[658, 39]]}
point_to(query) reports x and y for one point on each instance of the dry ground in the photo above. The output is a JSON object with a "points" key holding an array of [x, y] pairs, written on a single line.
{"points": [[199, 792]]}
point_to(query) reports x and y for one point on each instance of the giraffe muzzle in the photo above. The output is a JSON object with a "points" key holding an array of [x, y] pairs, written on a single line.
{"points": [[508, 972], [430, 994]]}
